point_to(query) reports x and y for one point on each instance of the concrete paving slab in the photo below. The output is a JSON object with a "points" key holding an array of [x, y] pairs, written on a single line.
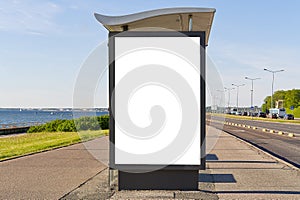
{"points": [[143, 194], [97, 188]]}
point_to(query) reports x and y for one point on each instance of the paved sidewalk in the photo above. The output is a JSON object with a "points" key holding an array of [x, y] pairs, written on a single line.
{"points": [[240, 171], [236, 170], [52, 174]]}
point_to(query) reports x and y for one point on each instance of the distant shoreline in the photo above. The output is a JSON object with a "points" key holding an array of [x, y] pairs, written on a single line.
{"points": [[12, 118]]}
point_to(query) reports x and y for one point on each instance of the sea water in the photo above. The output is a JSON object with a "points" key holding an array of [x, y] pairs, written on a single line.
{"points": [[28, 117]]}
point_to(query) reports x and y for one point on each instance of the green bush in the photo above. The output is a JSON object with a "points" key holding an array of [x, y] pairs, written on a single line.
{"points": [[53, 125], [87, 123], [103, 121], [82, 123], [36, 129], [67, 126]]}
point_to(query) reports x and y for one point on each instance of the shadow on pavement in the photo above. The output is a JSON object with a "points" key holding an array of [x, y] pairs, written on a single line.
{"points": [[216, 178], [211, 157]]}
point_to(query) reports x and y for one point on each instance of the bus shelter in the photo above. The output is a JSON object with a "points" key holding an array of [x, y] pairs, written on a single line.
{"points": [[150, 53]]}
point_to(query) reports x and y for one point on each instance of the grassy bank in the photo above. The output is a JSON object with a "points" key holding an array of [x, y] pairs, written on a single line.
{"points": [[16, 146], [257, 118]]}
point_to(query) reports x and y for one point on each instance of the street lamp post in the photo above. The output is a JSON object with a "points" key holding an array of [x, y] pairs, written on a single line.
{"points": [[273, 72], [237, 95], [228, 89], [252, 79], [221, 98], [214, 104], [220, 103]]}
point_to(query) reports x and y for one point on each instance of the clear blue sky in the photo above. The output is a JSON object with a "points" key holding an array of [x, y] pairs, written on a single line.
{"points": [[44, 43]]}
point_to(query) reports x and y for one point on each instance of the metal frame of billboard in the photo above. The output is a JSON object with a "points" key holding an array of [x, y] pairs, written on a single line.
{"points": [[130, 167]]}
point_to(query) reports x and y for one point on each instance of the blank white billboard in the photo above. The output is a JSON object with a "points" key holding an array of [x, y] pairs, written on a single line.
{"points": [[157, 101]]}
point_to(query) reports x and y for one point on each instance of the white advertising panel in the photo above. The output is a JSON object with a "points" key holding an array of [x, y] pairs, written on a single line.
{"points": [[157, 101]]}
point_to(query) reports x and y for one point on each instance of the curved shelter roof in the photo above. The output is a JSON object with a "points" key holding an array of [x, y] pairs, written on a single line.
{"points": [[178, 19]]}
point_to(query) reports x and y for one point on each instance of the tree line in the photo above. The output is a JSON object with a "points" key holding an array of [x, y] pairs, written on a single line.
{"points": [[291, 98]]}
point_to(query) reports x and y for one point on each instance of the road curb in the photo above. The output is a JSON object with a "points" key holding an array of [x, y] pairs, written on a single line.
{"points": [[256, 128], [291, 135]]}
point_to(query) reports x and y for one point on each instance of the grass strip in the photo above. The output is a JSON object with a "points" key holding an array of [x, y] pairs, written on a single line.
{"points": [[256, 118], [20, 145]]}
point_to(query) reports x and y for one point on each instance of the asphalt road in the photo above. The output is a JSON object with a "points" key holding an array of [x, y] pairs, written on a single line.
{"points": [[285, 127], [286, 148]]}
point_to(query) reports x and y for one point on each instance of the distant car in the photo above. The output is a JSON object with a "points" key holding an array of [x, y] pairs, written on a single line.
{"points": [[245, 113], [238, 113], [262, 114], [288, 117], [251, 114], [233, 111], [273, 116]]}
